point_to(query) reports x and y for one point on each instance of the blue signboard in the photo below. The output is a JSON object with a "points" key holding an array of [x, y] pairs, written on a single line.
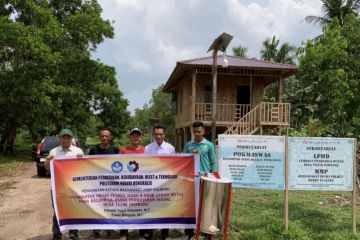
{"points": [[255, 162], [321, 164]]}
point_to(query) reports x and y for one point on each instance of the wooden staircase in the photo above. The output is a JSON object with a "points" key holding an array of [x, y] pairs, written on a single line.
{"points": [[266, 114]]}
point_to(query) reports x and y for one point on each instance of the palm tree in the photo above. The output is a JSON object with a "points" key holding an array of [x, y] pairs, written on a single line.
{"points": [[335, 9], [272, 52], [240, 51]]}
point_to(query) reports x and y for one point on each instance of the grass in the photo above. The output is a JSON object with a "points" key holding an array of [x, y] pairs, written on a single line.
{"points": [[10, 165], [259, 214]]}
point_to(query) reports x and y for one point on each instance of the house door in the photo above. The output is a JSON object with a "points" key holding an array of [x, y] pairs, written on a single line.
{"points": [[242, 98]]}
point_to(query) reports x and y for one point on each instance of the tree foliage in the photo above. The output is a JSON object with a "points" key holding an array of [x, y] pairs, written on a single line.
{"points": [[335, 9], [240, 51], [48, 79], [271, 51], [159, 107], [327, 86]]}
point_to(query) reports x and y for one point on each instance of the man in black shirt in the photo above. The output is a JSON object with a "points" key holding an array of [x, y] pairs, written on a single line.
{"points": [[104, 148]]}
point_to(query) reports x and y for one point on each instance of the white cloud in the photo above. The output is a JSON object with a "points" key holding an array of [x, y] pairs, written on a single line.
{"points": [[139, 66], [151, 36]]}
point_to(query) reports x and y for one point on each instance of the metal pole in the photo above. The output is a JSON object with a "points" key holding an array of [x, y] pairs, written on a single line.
{"points": [[214, 93]]}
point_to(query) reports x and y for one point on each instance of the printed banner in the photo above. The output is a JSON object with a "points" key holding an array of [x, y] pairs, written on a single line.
{"points": [[126, 191], [321, 164], [253, 161]]}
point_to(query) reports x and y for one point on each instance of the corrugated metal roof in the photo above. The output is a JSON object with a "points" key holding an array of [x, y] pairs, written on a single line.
{"points": [[239, 62], [182, 67]]}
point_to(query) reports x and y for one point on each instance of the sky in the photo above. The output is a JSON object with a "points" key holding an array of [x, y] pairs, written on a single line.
{"points": [[152, 35]]}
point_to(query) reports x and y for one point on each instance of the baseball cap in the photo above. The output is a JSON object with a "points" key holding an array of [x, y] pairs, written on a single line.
{"points": [[135, 130], [66, 131]]}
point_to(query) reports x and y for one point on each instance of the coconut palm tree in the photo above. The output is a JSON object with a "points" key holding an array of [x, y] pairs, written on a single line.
{"points": [[335, 9], [272, 52], [240, 51]]}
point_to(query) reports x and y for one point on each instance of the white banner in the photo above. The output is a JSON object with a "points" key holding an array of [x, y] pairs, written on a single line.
{"points": [[253, 161]]}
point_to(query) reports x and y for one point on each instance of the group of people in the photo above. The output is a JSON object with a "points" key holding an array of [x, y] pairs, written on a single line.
{"points": [[199, 144]]}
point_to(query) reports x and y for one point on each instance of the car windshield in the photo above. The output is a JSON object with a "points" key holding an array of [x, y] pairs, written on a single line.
{"points": [[50, 143]]}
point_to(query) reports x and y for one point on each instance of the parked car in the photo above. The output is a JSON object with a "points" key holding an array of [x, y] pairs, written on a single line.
{"points": [[43, 149]]}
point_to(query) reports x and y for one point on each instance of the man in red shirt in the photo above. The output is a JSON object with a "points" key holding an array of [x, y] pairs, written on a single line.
{"points": [[134, 147]]}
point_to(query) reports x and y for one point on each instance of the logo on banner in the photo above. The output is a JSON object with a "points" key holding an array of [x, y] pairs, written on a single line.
{"points": [[117, 167], [133, 166]]}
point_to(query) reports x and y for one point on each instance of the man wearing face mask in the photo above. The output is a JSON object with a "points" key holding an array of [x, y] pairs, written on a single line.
{"points": [[66, 149], [104, 147]]}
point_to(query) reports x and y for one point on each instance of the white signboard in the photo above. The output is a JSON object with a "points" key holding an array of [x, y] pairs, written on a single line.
{"points": [[321, 164], [252, 161]]}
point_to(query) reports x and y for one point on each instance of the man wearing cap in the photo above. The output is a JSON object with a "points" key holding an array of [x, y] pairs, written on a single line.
{"points": [[66, 149], [103, 148], [134, 147]]}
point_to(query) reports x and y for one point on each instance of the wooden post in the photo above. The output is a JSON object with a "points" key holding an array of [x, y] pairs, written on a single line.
{"points": [[177, 141], [251, 92], [185, 137], [193, 94], [193, 99], [214, 93], [286, 192], [280, 90], [354, 189]]}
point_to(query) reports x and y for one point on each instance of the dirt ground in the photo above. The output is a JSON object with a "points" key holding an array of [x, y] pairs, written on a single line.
{"points": [[26, 211]]}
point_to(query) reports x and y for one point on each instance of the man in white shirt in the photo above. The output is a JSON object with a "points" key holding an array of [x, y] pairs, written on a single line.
{"points": [[66, 149], [159, 146]]}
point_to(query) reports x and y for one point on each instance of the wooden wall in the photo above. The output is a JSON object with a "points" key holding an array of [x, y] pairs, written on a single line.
{"points": [[227, 90]]}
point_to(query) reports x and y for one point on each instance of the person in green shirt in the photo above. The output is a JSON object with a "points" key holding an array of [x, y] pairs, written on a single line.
{"points": [[208, 163], [205, 148]]}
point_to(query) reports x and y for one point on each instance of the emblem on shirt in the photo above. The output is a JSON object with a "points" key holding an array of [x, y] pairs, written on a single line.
{"points": [[117, 167]]}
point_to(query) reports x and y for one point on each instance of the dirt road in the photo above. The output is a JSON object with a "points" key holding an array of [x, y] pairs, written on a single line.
{"points": [[26, 209]]}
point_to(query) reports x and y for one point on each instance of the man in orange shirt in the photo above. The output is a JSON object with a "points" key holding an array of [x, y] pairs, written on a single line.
{"points": [[134, 147]]}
